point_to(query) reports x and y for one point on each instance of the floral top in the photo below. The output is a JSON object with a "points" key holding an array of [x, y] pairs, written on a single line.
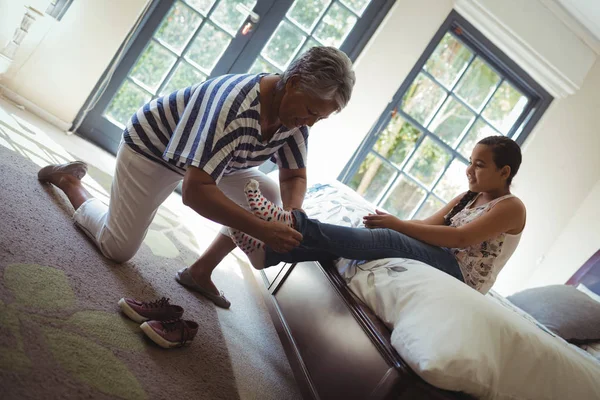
{"points": [[481, 263]]}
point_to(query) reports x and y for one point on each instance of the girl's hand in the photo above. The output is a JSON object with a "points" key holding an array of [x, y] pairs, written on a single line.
{"points": [[381, 220]]}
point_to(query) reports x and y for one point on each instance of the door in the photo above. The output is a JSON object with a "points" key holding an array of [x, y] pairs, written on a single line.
{"points": [[183, 42]]}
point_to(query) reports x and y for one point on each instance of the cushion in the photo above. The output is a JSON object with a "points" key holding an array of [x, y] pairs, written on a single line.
{"points": [[458, 339], [584, 289], [564, 310]]}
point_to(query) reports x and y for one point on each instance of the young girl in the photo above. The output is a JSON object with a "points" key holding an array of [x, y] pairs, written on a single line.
{"points": [[471, 238]]}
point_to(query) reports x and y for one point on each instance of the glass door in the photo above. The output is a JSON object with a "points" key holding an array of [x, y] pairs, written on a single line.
{"points": [[194, 40], [184, 42]]}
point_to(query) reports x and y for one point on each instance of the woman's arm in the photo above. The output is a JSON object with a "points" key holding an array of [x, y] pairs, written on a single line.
{"points": [[201, 194], [506, 216], [292, 183]]}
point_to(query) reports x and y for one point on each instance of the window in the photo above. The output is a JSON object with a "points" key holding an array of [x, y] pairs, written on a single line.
{"points": [[461, 90], [182, 42], [58, 8]]}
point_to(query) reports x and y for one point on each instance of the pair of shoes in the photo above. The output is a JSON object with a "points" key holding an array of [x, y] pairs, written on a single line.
{"points": [[184, 277], [161, 321]]}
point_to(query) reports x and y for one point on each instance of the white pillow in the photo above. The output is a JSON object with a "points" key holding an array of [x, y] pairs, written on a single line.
{"points": [[457, 339], [582, 288]]}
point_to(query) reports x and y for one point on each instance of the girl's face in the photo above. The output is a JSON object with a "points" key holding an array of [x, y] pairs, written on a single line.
{"points": [[483, 173], [298, 108]]}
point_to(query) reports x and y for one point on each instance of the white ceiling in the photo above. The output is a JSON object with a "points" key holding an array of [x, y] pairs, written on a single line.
{"points": [[587, 12]]}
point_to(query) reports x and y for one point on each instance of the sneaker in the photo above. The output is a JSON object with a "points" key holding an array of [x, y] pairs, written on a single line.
{"points": [[159, 310], [169, 334]]}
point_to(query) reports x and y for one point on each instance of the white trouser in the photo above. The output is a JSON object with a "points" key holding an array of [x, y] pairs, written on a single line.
{"points": [[139, 187]]}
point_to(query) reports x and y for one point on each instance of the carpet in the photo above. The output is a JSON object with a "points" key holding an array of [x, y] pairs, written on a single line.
{"points": [[61, 332]]}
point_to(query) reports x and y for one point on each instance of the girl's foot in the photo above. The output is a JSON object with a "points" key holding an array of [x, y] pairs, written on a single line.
{"points": [[265, 209], [56, 173], [254, 249]]}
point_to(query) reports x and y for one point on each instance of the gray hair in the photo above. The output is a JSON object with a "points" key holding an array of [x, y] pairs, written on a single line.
{"points": [[323, 72]]}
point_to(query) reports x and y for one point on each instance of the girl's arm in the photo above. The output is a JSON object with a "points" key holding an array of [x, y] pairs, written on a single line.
{"points": [[506, 216]]}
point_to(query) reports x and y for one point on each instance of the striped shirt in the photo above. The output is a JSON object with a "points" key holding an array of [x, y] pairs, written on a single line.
{"points": [[215, 126]]}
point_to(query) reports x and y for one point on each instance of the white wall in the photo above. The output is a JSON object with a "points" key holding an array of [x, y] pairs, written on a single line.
{"points": [[59, 63], [575, 245], [560, 168]]}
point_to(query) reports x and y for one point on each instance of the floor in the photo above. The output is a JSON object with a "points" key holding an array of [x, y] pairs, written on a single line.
{"points": [[233, 276]]}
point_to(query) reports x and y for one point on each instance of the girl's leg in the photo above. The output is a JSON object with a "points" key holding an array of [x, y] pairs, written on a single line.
{"points": [[325, 241], [333, 241]]}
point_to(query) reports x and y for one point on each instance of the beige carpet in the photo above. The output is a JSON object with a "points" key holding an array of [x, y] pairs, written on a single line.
{"points": [[61, 333]]}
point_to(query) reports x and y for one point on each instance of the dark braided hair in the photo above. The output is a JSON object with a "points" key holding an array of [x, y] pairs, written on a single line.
{"points": [[505, 152]]}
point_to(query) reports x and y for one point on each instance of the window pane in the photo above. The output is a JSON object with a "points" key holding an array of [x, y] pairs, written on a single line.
{"points": [[430, 207], [283, 45], [404, 198], [178, 26], [335, 26], [453, 182], [478, 131], [358, 6], [153, 65], [310, 43], [372, 177], [448, 60], [477, 84], [505, 107], [452, 120], [262, 65], [207, 47], [397, 140], [422, 99], [306, 13], [228, 16], [201, 5], [185, 75], [126, 102], [429, 161]]}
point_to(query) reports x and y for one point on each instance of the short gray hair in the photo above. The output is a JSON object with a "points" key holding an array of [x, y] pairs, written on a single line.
{"points": [[324, 72]]}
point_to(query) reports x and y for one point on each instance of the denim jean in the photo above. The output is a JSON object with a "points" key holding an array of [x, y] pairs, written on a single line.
{"points": [[328, 242]]}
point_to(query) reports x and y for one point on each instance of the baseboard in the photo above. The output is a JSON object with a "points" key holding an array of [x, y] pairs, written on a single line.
{"points": [[34, 108]]}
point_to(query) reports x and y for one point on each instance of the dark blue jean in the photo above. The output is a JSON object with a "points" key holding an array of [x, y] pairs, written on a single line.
{"points": [[327, 242]]}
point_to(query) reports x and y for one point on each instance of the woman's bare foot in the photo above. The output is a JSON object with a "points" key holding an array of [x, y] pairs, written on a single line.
{"points": [[67, 177]]}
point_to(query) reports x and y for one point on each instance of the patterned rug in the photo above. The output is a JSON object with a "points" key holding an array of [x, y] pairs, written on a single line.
{"points": [[61, 332]]}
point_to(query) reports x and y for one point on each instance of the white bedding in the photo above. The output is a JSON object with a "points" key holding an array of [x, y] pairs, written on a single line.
{"points": [[452, 336]]}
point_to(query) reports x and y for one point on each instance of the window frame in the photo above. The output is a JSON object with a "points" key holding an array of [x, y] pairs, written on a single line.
{"points": [[539, 101]]}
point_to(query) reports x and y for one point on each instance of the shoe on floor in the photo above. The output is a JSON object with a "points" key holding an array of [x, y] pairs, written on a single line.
{"points": [[169, 334], [76, 168], [185, 278], [159, 310]]}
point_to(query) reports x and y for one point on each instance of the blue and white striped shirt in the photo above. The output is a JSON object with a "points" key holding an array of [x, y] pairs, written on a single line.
{"points": [[215, 126]]}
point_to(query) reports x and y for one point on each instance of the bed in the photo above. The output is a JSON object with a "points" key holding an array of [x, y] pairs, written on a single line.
{"points": [[372, 330]]}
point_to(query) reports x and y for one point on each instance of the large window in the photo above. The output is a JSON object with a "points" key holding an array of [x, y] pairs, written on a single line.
{"points": [[183, 42], [461, 90]]}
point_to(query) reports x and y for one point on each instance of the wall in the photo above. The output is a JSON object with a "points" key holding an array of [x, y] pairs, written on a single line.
{"points": [[560, 169], [575, 245], [59, 63]]}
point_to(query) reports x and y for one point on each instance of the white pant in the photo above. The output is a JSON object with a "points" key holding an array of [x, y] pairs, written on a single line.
{"points": [[139, 187]]}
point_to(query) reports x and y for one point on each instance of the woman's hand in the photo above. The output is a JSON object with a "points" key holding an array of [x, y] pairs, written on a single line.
{"points": [[280, 237], [382, 220]]}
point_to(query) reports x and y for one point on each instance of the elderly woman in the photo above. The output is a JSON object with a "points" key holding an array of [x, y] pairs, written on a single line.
{"points": [[212, 136]]}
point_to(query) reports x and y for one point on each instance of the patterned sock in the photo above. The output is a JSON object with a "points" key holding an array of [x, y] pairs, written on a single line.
{"points": [[265, 209], [254, 249]]}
